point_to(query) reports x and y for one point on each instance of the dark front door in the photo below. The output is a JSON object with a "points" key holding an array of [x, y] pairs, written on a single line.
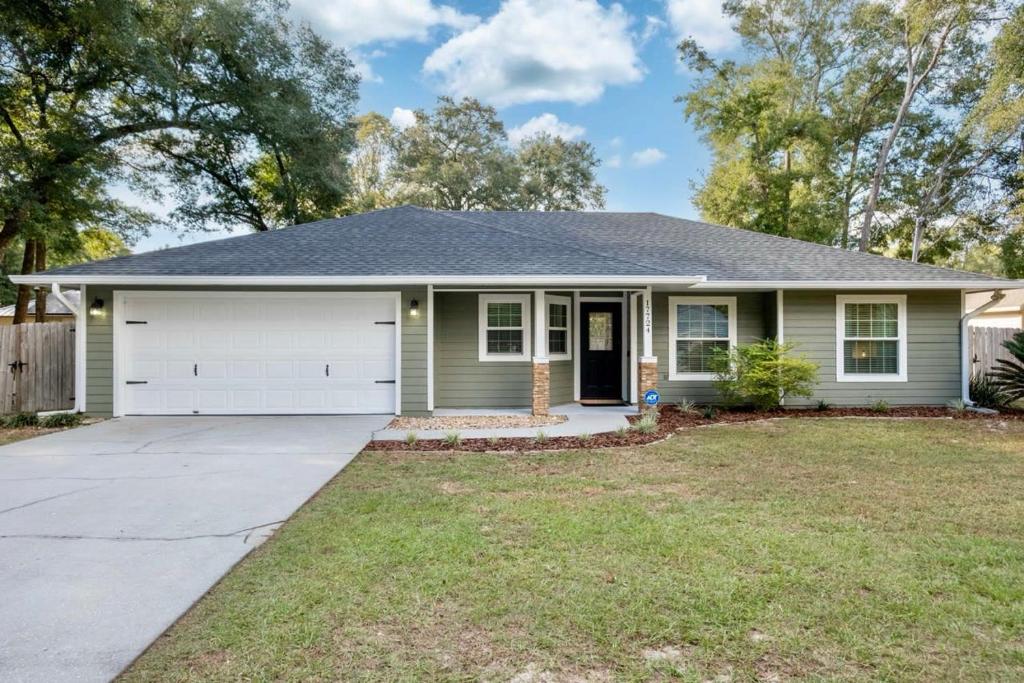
{"points": [[600, 350]]}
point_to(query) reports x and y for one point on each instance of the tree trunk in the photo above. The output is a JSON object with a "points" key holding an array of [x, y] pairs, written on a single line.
{"points": [[918, 232], [41, 292], [24, 291]]}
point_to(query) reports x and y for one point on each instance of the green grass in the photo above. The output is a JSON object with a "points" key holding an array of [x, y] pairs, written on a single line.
{"points": [[814, 549]]}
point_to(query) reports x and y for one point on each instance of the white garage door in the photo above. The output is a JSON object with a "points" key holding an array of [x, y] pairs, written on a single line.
{"points": [[187, 353]]}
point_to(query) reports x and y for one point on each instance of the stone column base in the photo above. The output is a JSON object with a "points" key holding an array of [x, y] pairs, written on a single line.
{"points": [[541, 386], [647, 379]]}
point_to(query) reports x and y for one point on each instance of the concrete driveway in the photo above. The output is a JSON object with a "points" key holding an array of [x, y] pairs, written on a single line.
{"points": [[109, 532]]}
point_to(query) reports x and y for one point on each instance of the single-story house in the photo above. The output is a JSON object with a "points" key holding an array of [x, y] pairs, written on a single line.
{"points": [[408, 310], [56, 311]]}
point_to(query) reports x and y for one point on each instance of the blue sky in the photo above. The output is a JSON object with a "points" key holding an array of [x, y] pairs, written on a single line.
{"points": [[601, 71]]}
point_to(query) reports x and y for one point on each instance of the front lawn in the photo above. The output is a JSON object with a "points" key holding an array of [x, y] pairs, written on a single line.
{"points": [[799, 548]]}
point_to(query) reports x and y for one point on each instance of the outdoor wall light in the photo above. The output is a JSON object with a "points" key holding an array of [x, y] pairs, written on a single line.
{"points": [[96, 307], [414, 308]]}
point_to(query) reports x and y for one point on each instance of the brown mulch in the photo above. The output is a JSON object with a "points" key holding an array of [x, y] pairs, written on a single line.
{"points": [[671, 420]]}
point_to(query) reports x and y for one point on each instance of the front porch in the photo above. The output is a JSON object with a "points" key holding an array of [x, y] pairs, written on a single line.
{"points": [[529, 350]]}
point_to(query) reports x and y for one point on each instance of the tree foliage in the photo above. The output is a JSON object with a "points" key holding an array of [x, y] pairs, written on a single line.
{"points": [[222, 106], [762, 374], [1008, 375], [890, 126], [458, 157]]}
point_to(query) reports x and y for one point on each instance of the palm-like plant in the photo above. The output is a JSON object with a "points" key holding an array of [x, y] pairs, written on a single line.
{"points": [[1008, 374]]}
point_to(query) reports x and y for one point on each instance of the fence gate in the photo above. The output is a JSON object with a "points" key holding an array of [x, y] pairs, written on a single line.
{"points": [[987, 346], [37, 367]]}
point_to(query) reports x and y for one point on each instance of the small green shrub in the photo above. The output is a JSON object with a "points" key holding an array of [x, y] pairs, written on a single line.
{"points": [[20, 420], [987, 393], [1008, 375], [762, 374], [880, 406], [541, 437], [411, 438], [493, 441], [823, 406], [686, 406], [648, 423], [60, 420], [622, 431], [957, 405], [709, 412], [585, 437], [452, 438]]}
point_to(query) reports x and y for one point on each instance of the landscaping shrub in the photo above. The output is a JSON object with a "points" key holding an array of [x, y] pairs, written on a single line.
{"points": [[58, 420], [452, 438], [1008, 375], [19, 420], [648, 423], [411, 438], [986, 393], [880, 406], [763, 373]]}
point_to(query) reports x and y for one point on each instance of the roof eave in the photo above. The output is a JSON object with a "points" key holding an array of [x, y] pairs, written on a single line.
{"points": [[355, 280]]}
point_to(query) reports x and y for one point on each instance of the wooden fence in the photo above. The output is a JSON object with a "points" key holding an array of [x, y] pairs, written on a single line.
{"points": [[987, 346], [37, 367]]}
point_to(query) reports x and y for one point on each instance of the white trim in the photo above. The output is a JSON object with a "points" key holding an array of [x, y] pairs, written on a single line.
{"points": [[970, 285], [901, 320], [611, 281], [81, 348], [623, 334], [118, 322], [624, 380], [559, 301], [648, 322], [780, 318], [540, 336], [430, 348], [485, 298], [631, 354], [576, 346], [673, 302]]}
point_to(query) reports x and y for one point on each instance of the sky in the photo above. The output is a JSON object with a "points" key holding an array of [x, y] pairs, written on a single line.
{"points": [[583, 69]]}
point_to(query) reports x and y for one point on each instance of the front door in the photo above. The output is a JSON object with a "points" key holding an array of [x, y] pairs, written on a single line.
{"points": [[600, 350]]}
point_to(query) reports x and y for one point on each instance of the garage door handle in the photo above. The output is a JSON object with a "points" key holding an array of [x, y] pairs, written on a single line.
{"points": [[327, 370], [384, 322], [195, 369], [384, 381], [136, 381]]}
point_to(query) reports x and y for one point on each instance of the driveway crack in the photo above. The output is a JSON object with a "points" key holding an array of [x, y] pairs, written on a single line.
{"points": [[48, 498]]}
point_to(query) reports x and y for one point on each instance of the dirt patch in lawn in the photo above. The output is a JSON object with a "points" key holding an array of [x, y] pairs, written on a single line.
{"points": [[450, 422], [672, 419]]}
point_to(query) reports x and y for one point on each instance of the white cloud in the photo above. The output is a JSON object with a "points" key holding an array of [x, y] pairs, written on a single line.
{"points": [[647, 157], [357, 22], [402, 118], [616, 141], [545, 123], [652, 26], [537, 50], [703, 21], [614, 161]]}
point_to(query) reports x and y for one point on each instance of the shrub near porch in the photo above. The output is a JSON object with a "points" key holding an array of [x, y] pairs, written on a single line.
{"points": [[853, 549]]}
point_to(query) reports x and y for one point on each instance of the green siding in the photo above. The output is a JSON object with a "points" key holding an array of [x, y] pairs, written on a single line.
{"points": [[933, 349], [99, 345], [460, 379], [750, 321], [561, 382]]}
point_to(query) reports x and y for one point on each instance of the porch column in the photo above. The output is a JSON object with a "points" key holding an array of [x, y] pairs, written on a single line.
{"points": [[648, 372], [541, 368]]}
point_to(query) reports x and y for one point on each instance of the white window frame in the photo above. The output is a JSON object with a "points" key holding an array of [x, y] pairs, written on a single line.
{"points": [[901, 320], [559, 301], [524, 301], [673, 301]]}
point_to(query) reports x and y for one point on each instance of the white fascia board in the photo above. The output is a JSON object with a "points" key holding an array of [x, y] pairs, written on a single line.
{"points": [[355, 280], [969, 285]]}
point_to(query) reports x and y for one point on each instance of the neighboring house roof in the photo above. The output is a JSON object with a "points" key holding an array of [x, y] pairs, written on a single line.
{"points": [[411, 242], [53, 305]]}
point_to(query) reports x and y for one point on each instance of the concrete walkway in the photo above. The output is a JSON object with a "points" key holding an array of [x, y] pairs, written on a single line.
{"points": [[109, 532], [582, 420]]}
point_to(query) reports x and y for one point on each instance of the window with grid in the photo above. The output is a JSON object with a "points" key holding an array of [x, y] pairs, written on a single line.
{"points": [[699, 330], [871, 338], [504, 327], [558, 328]]}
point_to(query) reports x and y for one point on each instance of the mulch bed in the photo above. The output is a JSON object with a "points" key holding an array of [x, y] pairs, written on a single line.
{"points": [[672, 420]]}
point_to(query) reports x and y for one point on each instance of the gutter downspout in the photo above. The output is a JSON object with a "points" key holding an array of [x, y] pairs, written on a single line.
{"points": [[965, 344], [55, 288]]}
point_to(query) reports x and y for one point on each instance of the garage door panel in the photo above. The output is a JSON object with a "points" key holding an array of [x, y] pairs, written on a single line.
{"points": [[258, 355]]}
